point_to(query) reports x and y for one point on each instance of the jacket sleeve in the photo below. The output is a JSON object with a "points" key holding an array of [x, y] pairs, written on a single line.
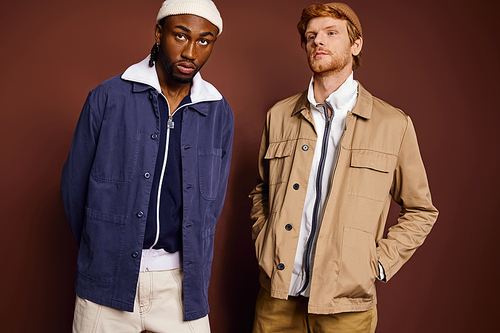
{"points": [[227, 146], [410, 190], [76, 170], [260, 194]]}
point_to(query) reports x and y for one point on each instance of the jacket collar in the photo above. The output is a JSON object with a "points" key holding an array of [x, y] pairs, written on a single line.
{"points": [[364, 104], [201, 90], [362, 108]]}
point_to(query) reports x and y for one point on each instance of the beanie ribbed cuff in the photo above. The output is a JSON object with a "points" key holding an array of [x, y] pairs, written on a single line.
{"points": [[205, 9], [349, 13]]}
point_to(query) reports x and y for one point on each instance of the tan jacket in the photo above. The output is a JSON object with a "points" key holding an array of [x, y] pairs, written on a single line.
{"points": [[378, 159]]}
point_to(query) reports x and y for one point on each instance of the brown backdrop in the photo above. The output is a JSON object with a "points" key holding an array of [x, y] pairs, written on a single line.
{"points": [[435, 59]]}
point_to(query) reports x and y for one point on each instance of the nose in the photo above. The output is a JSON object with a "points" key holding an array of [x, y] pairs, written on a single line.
{"points": [[189, 50], [319, 39]]}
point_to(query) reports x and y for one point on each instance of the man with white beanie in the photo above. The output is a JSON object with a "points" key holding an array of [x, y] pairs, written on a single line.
{"points": [[145, 181]]}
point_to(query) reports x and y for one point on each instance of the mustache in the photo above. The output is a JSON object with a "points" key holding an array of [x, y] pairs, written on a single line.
{"points": [[185, 61], [320, 49]]}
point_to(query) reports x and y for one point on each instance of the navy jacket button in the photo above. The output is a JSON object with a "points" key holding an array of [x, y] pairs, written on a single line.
{"points": [[281, 267], [154, 136], [140, 214], [296, 186], [147, 175], [135, 254], [288, 227]]}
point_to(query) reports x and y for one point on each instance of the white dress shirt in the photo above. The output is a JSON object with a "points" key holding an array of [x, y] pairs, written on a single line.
{"points": [[341, 101]]}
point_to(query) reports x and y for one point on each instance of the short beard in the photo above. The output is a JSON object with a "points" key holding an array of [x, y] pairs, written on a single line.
{"points": [[169, 67], [337, 63]]}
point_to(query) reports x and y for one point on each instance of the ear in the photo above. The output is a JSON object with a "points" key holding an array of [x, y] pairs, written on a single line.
{"points": [[158, 33], [357, 46]]}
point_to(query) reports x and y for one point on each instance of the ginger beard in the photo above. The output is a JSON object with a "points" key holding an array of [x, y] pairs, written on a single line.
{"points": [[331, 62]]}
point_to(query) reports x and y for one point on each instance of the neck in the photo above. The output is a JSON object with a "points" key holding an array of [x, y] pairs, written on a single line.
{"points": [[173, 90], [327, 83]]}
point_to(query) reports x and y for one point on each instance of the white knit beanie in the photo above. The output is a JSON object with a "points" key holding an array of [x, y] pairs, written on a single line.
{"points": [[202, 8]]}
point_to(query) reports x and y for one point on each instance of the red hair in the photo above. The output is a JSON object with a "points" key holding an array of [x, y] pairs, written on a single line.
{"points": [[322, 10]]}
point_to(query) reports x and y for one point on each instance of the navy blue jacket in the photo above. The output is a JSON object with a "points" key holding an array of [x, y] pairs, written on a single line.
{"points": [[107, 180]]}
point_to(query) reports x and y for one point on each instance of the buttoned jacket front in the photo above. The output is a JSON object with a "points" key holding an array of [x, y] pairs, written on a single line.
{"points": [[378, 160], [107, 181]]}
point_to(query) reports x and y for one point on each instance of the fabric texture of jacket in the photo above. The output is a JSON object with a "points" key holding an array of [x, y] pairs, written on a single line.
{"points": [[107, 179], [378, 160]]}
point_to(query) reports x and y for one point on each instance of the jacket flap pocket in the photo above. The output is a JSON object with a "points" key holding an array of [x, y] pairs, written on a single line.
{"points": [[370, 159], [279, 149]]}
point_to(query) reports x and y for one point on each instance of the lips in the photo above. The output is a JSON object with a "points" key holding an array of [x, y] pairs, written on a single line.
{"points": [[186, 67], [320, 53]]}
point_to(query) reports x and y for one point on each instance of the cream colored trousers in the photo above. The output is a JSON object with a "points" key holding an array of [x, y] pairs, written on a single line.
{"points": [[158, 308]]}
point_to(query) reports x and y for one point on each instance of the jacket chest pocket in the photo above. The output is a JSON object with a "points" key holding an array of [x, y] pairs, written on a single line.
{"points": [[370, 174], [209, 164], [116, 157], [278, 154]]}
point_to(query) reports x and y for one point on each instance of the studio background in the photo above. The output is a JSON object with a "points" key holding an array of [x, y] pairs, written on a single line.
{"points": [[435, 59]]}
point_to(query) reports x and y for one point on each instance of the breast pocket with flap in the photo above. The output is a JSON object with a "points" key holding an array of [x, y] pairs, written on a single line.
{"points": [[278, 154], [370, 174]]}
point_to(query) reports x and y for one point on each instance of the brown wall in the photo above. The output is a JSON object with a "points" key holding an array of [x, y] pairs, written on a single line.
{"points": [[435, 59]]}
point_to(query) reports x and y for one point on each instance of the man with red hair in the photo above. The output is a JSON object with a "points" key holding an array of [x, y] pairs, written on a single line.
{"points": [[331, 160]]}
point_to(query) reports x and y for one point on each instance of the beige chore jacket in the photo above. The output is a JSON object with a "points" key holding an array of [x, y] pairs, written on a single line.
{"points": [[378, 160]]}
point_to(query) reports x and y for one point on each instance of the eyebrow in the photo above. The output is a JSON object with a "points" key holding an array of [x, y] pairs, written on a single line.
{"points": [[332, 27], [325, 28], [208, 33], [203, 34], [183, 28]]}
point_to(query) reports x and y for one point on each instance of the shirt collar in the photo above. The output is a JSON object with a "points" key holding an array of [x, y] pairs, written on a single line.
{"points": [[341, 98], [201, 90]]}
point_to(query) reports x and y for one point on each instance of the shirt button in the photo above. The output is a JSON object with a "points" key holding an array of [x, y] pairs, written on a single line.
{"points": [[281, 267], [140, 214], [135, 254], [305, 147], [288, 227], [296, 186], [154, 136]]}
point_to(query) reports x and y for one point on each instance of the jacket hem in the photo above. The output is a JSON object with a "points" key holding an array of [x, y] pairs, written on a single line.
{"points": [[196, 315], [111, 303], [343, 305]]}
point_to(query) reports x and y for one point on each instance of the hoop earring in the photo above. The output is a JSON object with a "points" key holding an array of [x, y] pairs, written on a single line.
{"points": [[154, 54]]}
